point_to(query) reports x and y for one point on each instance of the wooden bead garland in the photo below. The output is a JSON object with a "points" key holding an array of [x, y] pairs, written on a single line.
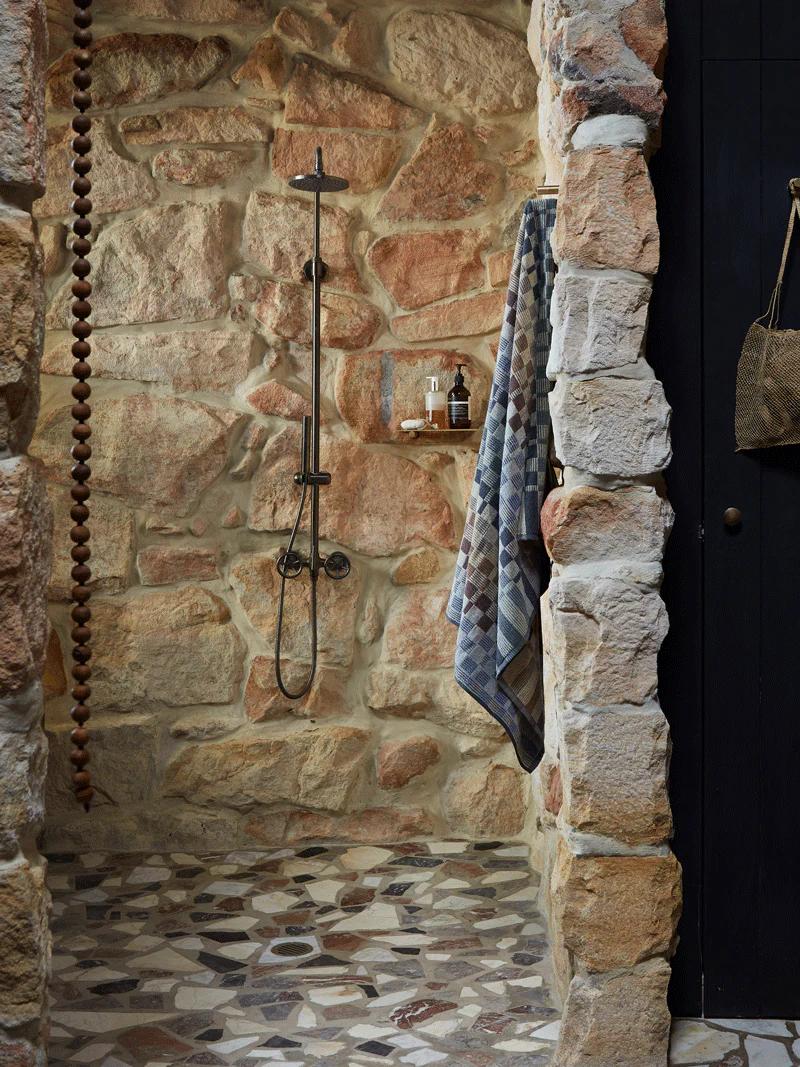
{"points": [[81, 451]]}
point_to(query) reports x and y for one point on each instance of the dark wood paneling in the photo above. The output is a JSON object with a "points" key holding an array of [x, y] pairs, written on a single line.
{"points": [[780, 29], [674, 349], [732, 586], [731, 28]]}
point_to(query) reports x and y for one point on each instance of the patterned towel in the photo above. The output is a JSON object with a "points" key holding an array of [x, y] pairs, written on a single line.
{"points": [[502, 567]]}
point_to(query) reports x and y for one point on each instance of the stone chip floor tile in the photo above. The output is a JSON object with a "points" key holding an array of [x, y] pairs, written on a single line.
{"points": [[319, 957]]}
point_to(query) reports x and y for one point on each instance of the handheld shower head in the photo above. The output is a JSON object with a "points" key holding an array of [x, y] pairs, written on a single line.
{"points": [[319, 181]]}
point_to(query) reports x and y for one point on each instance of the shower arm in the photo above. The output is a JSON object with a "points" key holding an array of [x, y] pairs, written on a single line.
{"points": [[291, 563]]}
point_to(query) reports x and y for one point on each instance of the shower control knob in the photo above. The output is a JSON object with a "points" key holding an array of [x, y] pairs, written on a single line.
{"points": [[289, 564], [337, 566]]}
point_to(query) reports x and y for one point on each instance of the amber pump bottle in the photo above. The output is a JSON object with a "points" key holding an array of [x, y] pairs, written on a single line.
{"points": [[458, 413]]}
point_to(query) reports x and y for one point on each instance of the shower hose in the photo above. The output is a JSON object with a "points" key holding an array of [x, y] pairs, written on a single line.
{"points": [[289, 566]]}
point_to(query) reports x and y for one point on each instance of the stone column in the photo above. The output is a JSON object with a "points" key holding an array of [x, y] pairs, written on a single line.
{"points": [[612, 884], [24, 542]]}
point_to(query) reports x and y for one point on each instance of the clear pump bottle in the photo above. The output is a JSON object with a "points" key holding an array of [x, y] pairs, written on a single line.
{"points": [[435, 404]]}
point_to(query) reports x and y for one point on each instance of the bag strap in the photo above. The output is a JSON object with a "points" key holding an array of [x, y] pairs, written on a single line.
{"points": [[772, 313]]}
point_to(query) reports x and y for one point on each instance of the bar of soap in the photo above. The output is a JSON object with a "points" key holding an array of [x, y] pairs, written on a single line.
{"points": [[412, 424]]}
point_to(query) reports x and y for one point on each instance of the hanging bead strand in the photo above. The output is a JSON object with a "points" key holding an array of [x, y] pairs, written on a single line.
{"points": [[81, 451]]}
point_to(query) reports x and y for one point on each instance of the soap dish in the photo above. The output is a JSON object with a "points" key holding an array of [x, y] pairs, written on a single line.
{"points": [[429, 432]]}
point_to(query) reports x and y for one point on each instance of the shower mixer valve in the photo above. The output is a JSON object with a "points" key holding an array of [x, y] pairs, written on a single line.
{"points": [[292, 563]]}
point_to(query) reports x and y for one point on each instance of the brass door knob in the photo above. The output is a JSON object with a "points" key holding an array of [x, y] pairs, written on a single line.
{"points": [[732, 517]]}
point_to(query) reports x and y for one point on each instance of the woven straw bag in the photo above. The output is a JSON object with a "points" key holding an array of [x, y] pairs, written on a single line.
{"points": [[768, 378]]}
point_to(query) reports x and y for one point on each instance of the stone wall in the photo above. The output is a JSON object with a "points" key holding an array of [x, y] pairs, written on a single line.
{"points": [[203, 109], [24, 541], [612, 886]]}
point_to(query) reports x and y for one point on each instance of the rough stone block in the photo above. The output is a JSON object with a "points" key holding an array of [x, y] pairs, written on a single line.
{"points": [[607, 211], [345, 323], [419, 566], [419, 268], [168, 648], [614, 774], [25, 937], [613, 426], [133, 68], [599, 322], [401, 761], [23, 45], [21, 329], [322, 768], [410, 510], [377, 390], [188, 360], [25, 536], [614, 1020], [264, 702], [23, 755], [123, 765], [468, 317], [615, 911], [620, 131], [605, 634], [644, 29], [585, 524], [462, 60], [185, 125], [374, 826], [198, 166], [112, 526], [443, 179], [165, 263], [279, 231], [418, 634], [265, 67], [165, 564], [319, 95], [580, 101], [187, 448], [487, 801]]}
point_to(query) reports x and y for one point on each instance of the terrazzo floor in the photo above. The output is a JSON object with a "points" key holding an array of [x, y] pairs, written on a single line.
{"points": [[417, 954], [735, 1043]]}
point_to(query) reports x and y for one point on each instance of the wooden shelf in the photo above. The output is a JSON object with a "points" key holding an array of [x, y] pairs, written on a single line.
{"points": [[429, 433]]}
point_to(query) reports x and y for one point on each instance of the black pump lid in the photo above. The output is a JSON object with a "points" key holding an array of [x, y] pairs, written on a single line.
{"points": [[459, 375]]}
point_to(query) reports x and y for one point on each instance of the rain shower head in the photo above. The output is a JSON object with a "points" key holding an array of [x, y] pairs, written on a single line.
{"points": [[319, 181]]}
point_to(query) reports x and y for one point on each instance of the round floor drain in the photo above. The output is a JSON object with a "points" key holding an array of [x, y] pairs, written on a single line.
{"points": [[292, 948]]}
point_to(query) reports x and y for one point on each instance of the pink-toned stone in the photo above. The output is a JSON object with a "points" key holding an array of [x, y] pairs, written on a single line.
{"points": [[162, 264], [163, 565], [644, 28], [466, 460], [585, 523], [418, 634], [187, 125], [264, 702], [469, 317], [486, 801], [615, 911], [419, 566], [319, 95], [323, 768], [376, 391], [607, 211], [498, 266], [345, 323], [584, 100], [239, 11], [21, 314], [275, 398], [25, 533], [197, 166], [173, 648], [358, 41], [124, 183], [133, 68], [364, 159], [16, 1052], [517, 156], [444, 179], [265, 67], [112, 529], [279, 231], [52, 238], [255, 580], [54, 678], [399, 762], [187, 447], [462, 60], [298, 27], [419, 268], [189, 360], [410, 509], [554, 790], [378, 826], [23, 47], [24, 962]]}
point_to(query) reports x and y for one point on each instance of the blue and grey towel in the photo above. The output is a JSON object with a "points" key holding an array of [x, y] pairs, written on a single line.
{"points": [[501, 565]]}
